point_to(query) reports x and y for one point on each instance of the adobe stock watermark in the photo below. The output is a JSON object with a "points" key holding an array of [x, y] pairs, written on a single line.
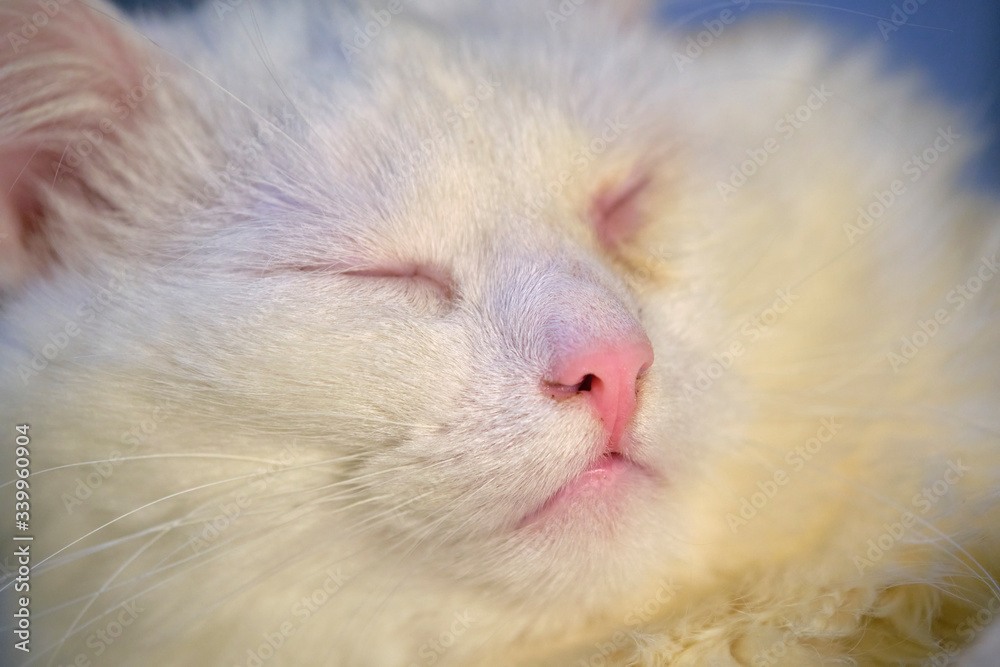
{"points": [[775, 653], [86, 485], [869, 216], [753, 329], [581, 158], [101, 639], [223, 7], [923, 502], [140, 431], [696, 44], [797, 457], [462, 111], [146, 426], [644, 612], [32, 25], [651, 264], [244, 157], [603, 654], [299, 614], [563, 12], [230, 511], [899, 17], [57, 341], [454, 117], [431, 651], [122, 107], [363, 36], [970, 627], [957, 298], [785, 127]]}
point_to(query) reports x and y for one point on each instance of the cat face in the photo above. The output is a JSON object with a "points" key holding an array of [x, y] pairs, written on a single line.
{"points": [[516, 331], [489, 347], [459, 305]]}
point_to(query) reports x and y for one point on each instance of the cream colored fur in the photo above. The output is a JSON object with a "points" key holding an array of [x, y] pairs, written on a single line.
{"points": [[246, 448]]}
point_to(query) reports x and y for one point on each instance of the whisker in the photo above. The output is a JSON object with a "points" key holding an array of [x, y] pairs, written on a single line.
{"points": [[121, 568], [147, 505], [143, 457]]}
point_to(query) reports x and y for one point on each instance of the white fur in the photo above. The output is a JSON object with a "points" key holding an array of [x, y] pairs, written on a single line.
{"points": [[383, 438]]}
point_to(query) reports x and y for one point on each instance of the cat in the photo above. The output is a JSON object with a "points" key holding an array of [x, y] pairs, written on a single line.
{"points": [[467, 333]]}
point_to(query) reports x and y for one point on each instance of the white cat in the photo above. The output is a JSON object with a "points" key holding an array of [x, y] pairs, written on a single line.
{"points": [[416, 333]]}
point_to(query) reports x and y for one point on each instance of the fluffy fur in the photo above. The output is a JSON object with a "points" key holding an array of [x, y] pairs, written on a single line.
{"points": [[251, 445]]}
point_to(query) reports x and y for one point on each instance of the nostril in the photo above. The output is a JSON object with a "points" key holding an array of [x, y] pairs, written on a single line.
{"points": [[606, 375], [642, 373], [561, 392]]}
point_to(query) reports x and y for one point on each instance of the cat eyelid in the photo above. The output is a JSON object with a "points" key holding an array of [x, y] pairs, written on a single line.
{"points": [[416, 272], [616, 211]]}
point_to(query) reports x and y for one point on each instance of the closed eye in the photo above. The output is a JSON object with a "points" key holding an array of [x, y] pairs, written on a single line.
{"points": [[416, 273], [617, 211]]}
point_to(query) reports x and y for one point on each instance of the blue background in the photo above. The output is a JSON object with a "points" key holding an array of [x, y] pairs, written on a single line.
{"points": [[956, 43]]}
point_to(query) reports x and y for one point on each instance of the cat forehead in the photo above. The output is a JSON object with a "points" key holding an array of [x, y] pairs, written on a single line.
{"points": [[432, 174], [464, 206], [470, 156]]}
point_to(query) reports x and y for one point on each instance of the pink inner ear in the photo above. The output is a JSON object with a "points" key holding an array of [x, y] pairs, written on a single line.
{"points": [[48, 107], [12, 260], [15, 206], [616, 211]]}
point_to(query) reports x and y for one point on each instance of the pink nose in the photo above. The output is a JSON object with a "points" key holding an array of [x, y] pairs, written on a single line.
{"points": [[605, 374]]}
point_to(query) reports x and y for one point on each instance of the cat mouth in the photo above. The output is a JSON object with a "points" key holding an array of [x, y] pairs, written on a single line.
{"points": [[600, 489]]}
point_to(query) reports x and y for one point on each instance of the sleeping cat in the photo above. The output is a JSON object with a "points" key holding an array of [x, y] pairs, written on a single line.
{"points": [[455, 333]]}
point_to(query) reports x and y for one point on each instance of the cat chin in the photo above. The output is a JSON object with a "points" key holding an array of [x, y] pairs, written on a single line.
{"points": [[597, 497]]}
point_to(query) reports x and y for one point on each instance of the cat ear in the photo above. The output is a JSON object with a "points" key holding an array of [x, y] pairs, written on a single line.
{"points": [[64, 65]]}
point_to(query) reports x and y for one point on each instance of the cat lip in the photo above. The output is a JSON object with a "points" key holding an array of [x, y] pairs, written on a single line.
{"points": [[603, 483]]}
